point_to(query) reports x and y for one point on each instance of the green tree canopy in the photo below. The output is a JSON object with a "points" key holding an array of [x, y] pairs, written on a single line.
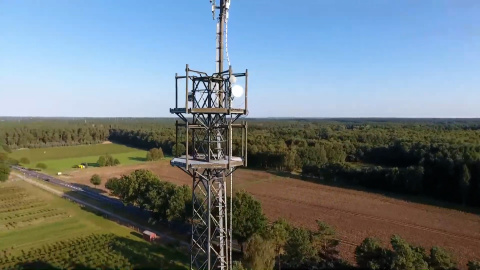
{"points": [[113, 184], [101, 161], [259, 253], [299, 251], [96, 180], [407, 257], [278, 233], [325, 242], [465, 183], [371, 255], [248, 217], [440, 259], [142, 188], [4, 171]]}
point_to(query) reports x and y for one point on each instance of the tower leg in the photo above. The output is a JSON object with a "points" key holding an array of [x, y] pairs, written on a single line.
{"points": [[209, 243]]}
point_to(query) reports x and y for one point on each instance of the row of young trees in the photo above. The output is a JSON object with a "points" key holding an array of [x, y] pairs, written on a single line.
{"points": [[107, 160], [277, 245]]}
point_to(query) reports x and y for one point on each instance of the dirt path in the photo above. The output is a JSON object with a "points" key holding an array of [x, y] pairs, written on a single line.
{"points": [[354, 214]]}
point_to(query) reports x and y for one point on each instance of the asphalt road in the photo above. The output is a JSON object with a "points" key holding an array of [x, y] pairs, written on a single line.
{"points": [[85, 192]]}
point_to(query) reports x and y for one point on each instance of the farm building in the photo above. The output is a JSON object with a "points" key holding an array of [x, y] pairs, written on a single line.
{"points": [[149, 236]]}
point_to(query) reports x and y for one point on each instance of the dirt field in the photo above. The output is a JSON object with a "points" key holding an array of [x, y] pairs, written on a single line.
{"points": [[354, 214]]}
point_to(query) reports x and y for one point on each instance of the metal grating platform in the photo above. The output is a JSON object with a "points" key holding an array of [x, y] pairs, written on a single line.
{"points": [[202, 164], [209, 110]]}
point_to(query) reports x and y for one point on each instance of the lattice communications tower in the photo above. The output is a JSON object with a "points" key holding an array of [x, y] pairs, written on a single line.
{"points": [[208, 127]]}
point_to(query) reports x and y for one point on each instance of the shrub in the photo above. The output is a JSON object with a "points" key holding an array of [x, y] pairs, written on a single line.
{"points": [[24, 160], [41, 166], [96, 180], [101, 161], [181, 150], [112, 184], [109, 161], [155, 154]]}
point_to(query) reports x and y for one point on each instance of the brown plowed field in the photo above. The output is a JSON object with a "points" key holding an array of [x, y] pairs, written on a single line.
{"points": [[354, 214]]}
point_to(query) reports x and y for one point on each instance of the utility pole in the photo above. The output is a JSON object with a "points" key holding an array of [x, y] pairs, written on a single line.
{"points": [[208, 123]]}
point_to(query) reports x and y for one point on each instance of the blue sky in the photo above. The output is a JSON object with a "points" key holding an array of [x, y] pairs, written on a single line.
{"points": [[313, 58]]}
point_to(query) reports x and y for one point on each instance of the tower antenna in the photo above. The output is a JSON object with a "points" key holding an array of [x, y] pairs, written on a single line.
{"points": [[208, 123]]}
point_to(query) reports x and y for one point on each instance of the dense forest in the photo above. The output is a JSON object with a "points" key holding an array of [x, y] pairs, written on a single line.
{"points": [[439, 158]]}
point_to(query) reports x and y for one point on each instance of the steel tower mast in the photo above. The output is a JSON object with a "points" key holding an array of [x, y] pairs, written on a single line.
{"points": [[207, 128]]}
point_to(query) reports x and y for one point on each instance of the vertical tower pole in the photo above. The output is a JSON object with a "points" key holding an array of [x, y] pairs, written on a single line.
{"points": [[211, 160]]}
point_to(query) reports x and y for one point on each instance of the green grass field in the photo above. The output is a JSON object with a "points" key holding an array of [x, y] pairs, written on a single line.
{"points": [[33, 220], [62, 159]]}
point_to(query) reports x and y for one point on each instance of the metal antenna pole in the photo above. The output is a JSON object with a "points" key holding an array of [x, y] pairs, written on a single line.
{"points": [[221, 26]]}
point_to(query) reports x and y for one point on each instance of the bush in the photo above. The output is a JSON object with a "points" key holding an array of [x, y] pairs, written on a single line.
{"points": [[112, 184], [41, 166], [101, 161], [440, 259], [155, 154], [107, 160], [181, 150], [96, 180], [24, 160]]}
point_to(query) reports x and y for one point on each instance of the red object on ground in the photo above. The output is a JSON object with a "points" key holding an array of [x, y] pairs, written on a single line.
{"points": [[149, 236]]}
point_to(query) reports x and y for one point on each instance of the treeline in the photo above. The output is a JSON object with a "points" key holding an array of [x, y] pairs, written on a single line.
{"points": [[4, 162], [277, 245], [434, 157], [25, 137], [141, 188]]}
